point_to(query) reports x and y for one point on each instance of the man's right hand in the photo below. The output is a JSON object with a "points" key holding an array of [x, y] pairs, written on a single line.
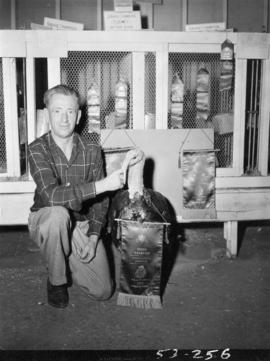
{"points": [[114, 181]]}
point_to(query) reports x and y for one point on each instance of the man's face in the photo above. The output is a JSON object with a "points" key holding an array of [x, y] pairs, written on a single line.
{"points": [[64, 114]]}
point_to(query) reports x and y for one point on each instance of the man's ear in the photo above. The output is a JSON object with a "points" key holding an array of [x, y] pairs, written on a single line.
{"points": [[78, 116]]}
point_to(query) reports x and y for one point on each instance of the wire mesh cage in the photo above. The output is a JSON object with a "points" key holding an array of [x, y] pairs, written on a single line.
{"points": [[3, 158], [187, 67], [82, 68]]}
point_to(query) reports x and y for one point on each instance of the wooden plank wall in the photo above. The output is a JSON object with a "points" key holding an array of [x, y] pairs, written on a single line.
{"points": [[243, 15]]}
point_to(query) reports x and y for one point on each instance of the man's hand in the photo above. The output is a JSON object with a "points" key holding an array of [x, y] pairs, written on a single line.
{"points": [[134, 156], [87, 252], [114, 181]]}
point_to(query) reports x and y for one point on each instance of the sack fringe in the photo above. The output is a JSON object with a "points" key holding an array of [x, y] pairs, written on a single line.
{"points": [[138, 301]]}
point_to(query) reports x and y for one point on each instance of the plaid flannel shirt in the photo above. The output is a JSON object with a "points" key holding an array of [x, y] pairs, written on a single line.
{"points": [[71, 184]]}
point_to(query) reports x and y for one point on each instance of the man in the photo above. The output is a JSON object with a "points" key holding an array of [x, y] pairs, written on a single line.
{"points": [[70, 202]]}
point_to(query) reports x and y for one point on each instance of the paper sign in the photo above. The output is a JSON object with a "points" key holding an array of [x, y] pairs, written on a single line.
{"points": [[114, 20], [149, 1], [206, 27], [123, 5], [56, 24], [35, 26]]}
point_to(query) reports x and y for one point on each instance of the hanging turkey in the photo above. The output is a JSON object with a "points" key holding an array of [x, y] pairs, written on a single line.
{"points": [[137, 203], [143, 217]]}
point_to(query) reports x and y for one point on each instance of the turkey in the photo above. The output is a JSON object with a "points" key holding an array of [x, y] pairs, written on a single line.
{"points": [[144, 225], [137, 203]]}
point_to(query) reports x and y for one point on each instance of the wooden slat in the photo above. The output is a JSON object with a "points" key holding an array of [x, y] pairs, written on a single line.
{"points": [[16, 187], [242, 182], [46, 43], [194, 48], [54, 72], [265, 16], [225, 12], [113, 46], [162, 88], [264, 120], [11, 117], [15, 208], [243, 205], [99, 15], [31, 99], [138, 74], [150, 37], [239, 116], [231, 233], [252, 46], [237, 168], [184, 13], [13, 14], [58, 9], [12, 44]]}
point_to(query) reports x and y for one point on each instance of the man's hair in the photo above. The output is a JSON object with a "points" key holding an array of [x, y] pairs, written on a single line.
{"points": [[60, 89]]}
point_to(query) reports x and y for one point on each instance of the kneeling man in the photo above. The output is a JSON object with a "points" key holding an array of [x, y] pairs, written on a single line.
{"points": [[70, 202]]}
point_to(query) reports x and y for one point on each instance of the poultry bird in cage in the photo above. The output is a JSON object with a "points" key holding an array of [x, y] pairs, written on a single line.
{"points": [[136, 202]]}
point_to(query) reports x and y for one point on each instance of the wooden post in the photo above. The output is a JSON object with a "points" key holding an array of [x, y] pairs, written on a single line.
{"points": [[162, 64], [263, 149], [11, 117], [265, 16], [13, 15], [99, 14], [231, 236], [58, 9], [239, 116], [54, 72], [31, 99], [138, 73], [225, 12], [184, 13]]}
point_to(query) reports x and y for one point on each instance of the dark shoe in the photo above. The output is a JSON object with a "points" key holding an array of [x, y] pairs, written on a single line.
{"points": [[57, 295]]}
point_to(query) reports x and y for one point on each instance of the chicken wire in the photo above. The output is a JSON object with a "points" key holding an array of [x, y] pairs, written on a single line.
{"points": [[187, 65], [3, 157], [81, 68]]}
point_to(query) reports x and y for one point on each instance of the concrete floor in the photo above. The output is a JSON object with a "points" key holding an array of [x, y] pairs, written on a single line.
{"points": [[210, 302]]}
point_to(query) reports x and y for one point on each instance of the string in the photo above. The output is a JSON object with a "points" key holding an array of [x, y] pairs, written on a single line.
{"points": [[129, 137], [204, 132], [109, 134], [158, 211], [135, 145], [207, 136], [184, 141]]}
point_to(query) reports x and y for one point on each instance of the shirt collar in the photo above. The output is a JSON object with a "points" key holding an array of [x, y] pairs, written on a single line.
{"points": [[52, 143], [77, 144]]}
